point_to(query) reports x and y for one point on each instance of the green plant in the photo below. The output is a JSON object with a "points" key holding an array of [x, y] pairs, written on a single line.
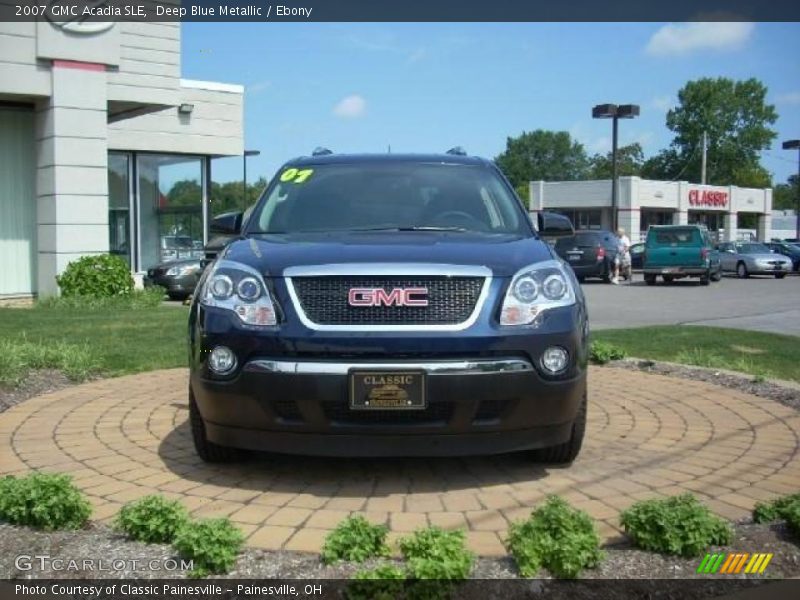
{"points": [[676, 525], [603, 352], [383, 582], [44, 501], [433, 553], [766, 512], [211, 544], [99, 276], [147, 298], [355, 539], [19, 356], [152, 519], [556, 536]]}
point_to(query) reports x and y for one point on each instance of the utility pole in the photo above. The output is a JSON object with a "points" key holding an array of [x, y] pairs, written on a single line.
{"points": [[795, 145], [705, 153]]}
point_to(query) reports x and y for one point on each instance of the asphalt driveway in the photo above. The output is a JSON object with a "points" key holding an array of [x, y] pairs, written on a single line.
{"points": [[758, 304]]}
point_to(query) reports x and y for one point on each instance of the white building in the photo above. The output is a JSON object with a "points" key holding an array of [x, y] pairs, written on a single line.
{"points": [[103, 147], [644, 202]]}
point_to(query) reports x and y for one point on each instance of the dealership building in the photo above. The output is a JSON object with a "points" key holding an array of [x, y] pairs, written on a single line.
{"points": [[104, 148], [725, 210]]}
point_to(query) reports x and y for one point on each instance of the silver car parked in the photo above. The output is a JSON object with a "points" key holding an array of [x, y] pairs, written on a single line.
{"points": [[752, 258]]}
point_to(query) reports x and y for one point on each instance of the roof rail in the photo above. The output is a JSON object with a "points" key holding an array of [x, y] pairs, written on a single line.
{"points": [[321, 151], [457, 151]]}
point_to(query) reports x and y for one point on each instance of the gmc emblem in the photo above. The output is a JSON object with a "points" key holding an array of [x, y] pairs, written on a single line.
{"points": [[417, 296]]}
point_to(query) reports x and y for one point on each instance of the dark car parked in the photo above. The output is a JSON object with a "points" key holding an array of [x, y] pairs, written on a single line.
{"points": [[178, 277], [788, 249], [381, 305], [590, 253]]}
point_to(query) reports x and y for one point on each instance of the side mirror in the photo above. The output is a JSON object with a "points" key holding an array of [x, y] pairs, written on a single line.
{"points": [[554, 225], [227, 223]]}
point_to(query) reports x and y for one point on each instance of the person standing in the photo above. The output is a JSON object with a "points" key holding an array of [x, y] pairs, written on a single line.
{"points": [[623, 257]]}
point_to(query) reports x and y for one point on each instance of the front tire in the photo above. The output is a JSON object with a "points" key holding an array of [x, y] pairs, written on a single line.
{"points": [[650, 279], [741, 271], [208, 451], [780, 275], [716, 276], [568, 451]]}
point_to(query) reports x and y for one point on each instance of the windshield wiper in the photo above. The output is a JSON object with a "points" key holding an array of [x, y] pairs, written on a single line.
{"points": [[409, 228]]}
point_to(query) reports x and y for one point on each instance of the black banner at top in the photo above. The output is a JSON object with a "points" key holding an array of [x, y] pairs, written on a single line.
{"points": [[399, 10]]}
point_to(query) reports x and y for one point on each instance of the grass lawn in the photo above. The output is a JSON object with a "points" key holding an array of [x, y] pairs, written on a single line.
{"points": [[110, 342], [759, 354]]}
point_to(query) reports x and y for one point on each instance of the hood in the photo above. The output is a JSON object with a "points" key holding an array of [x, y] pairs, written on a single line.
{"points": [[503, 254]]}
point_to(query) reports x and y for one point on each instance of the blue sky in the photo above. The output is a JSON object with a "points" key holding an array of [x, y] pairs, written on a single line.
{"points": [[426, 87]]}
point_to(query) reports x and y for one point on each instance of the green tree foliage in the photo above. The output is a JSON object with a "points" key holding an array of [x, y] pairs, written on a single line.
{"points": [[737, 119], [784, 195], [630, 159], [224, 197], [540, 154]]}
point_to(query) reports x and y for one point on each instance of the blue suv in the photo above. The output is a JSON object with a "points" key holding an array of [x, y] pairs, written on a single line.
{"points": [[388, 305]]}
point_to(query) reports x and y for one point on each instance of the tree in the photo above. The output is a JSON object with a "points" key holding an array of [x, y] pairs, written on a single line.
{"points": [[229, 196], [540, 154], [630, 159], [737, 120], [784, 195]]}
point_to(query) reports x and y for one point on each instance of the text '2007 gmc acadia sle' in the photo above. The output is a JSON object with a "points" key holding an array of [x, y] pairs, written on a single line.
{"points": [[388, 305]]}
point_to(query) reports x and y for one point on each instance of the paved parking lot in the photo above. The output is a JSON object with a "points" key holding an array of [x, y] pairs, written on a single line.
{"points": [[648, 436], [758, 303]]}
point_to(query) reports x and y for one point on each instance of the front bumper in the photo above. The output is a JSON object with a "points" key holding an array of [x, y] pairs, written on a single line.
{"points": [[174, 285], [475, 406], [759, 269]]}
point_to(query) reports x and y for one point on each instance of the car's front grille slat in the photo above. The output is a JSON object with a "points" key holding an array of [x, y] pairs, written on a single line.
{"points": [[451, 300]]}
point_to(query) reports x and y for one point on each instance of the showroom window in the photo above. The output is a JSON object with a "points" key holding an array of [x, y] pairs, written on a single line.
{"points": [[583, 219], [171, 192]]}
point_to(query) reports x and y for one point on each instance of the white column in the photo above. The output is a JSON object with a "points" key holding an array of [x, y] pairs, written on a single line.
{"points": [[72, 170], [764, 231], [681, 215], [730, 223]]}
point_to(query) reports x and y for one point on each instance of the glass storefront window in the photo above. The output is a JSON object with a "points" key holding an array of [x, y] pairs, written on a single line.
{"points": [[170, 208], [583, 219], [119, 206]]}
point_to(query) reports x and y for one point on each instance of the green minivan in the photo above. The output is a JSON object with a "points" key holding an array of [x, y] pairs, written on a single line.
{"points": [[677, 251]]}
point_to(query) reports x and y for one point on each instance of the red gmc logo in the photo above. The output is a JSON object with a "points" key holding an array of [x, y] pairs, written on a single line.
{"points": [[417, 296]]}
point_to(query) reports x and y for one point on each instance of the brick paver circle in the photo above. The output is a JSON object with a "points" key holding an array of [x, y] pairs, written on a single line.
{"points": [[648, 436]]}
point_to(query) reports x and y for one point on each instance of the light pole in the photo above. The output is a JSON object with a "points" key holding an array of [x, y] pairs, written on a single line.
{"points": [[244, 174], [795, 145], [615, 113]]}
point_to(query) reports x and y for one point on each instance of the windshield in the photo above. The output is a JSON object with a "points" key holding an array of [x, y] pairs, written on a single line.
{"points": [[398, 196], [752, 249]]}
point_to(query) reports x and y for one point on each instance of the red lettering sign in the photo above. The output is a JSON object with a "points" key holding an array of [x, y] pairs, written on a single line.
{"points": [[380, 297], [708, 198]]}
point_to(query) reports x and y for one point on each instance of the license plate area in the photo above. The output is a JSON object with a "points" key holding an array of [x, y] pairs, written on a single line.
{"points": [[387, 390]]}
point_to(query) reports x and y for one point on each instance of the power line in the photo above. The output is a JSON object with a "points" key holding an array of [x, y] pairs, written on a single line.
{"points": [[688, 162]]}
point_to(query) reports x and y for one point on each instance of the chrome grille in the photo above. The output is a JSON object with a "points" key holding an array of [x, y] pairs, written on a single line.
{"points": [[451, 299]]}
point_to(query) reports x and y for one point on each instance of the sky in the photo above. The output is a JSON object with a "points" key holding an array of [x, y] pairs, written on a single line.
{"points": [[425, 87]]}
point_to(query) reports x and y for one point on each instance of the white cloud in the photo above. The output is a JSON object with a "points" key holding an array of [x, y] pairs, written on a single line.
{"points": [[685, 38], [258, 86], [662, 103], [791, 98], [350, 107]]}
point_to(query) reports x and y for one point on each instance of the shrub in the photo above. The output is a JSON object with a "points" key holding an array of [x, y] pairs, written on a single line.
{"points": [[785, 508], [676, 525], [557, 537], [212, 545], [384, 582], [433, 553], [18, 357], [355, 539], [603, 352], [152, 519], [98, 276], [43, 501]]}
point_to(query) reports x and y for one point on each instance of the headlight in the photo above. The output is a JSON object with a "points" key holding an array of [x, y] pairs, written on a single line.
{"points": [[241, 289], [181, 270], [535, 289]]}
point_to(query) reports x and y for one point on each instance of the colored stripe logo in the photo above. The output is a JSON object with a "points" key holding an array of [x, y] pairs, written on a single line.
{"points": [[735, 563]]}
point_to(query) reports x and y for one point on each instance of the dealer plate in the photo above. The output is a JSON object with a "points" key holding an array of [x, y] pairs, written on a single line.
{"points": [[387, 390]]}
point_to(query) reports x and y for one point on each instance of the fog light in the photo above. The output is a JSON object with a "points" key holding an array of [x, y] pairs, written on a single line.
{"points": [[222, 360], [554, 359]]}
